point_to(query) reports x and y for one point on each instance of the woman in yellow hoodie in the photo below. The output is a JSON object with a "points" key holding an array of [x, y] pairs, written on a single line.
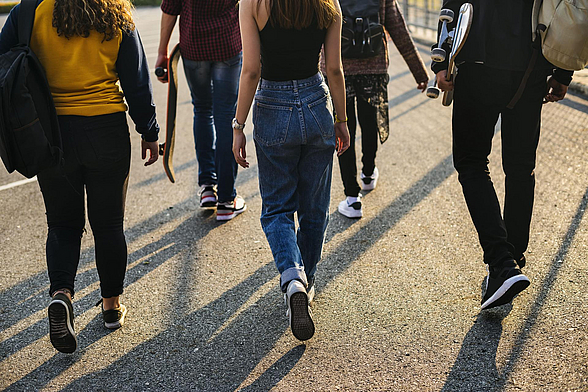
{"points": [[94, 61]]}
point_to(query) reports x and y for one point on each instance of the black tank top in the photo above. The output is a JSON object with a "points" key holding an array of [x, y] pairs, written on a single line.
{"points": [[290, 54]]}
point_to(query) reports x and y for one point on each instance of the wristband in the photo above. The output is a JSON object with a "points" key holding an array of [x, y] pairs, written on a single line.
{"points": [[236, 124], [338, 120]]}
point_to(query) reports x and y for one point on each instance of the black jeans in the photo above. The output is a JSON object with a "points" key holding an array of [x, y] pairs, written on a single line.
{"points": [[97, 157], [481, 95], [368, 120]]}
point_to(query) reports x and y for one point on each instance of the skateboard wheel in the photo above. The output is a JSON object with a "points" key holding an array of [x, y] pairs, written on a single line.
{"points": [[446, 15], [159, 71], [433, 92], [438, 55]]}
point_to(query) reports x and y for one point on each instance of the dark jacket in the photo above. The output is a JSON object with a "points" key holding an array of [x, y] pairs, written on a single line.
{"points": [[500, 37]]}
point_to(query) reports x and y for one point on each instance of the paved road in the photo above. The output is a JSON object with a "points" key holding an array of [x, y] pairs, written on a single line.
{"points": [[397, 307]]}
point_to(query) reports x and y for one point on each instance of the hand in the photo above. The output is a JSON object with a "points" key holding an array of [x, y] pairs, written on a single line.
{"points": [[239, 141], [153, 148], [422, 86], [162, 63], [342, 135], [442, 82], [555, 91]]}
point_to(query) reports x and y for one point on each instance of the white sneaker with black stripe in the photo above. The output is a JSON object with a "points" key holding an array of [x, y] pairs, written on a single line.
{"points": [[369, 182], [207, 196], [351, 207], [229, 210], [298, 311]]}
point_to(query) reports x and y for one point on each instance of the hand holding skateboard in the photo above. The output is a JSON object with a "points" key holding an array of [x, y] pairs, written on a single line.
{"points": [[455, 39]]}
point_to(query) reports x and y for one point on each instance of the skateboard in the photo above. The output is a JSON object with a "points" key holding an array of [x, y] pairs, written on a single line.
{"points": [[166, 149], [455, 39]]}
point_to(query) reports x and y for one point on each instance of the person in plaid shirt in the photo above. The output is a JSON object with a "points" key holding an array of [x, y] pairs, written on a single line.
{"points": [[210, 44]]}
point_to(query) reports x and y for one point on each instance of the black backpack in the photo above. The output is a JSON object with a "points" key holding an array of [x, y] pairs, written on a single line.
{"points": [[362, 34], [30, 140]]}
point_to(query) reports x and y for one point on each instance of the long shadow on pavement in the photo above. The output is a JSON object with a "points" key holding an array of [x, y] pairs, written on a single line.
{"points": [[475, 366], [200, 352]]}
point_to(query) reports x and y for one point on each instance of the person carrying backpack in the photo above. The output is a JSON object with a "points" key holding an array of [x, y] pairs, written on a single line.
{"points": [[87, 48], [366, 81], [500, 74]]}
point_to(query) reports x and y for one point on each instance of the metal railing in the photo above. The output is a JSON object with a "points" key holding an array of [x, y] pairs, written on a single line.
{"points": [[423, 14]]}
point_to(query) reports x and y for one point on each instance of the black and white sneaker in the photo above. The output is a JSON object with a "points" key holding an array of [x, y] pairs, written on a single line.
{"points": [[351, 207], [502, 285], [207, 196], [298, 311], [369, 182], [114, 318], [229, 210], [61, 324]]}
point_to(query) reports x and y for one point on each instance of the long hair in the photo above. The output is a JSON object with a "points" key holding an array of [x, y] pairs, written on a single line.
{"points": [[78, 17], [299, 14]]}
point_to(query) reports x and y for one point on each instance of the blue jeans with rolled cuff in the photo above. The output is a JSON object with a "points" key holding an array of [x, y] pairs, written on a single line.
{"points": [[295, 141]]}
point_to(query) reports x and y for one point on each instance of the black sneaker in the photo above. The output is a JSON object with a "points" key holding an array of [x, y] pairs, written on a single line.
{"points": [[114, 318], [502, 285], [61, 324]]}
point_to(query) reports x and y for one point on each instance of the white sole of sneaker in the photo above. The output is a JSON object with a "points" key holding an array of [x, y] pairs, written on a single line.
{"points": [[505, 293], [229, 216], [118, 323], [353, 214], [62, 335]]}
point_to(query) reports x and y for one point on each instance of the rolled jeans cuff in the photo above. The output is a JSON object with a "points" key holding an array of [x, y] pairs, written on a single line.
{"points": [[292, 273]]}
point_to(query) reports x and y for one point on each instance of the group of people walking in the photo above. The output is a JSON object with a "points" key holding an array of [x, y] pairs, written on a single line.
{"points": [[267, 53]]}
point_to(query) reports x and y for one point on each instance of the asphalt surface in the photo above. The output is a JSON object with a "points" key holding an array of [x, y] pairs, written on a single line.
{"points": [[398, 291]]}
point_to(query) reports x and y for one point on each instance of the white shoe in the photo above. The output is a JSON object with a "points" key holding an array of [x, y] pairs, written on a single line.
{"points": [[298, 312], [229, 210], [310, 294], [351, 207], [369, 182]]}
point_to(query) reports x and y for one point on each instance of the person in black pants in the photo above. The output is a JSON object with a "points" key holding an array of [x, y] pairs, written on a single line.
{"points": [[492, 64], [89, 57]]}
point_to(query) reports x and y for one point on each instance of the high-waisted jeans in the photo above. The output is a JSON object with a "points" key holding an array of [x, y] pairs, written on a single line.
{"points": [[97, 159], [295, 140]]}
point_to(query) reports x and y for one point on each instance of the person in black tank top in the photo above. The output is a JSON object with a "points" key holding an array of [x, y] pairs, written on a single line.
{"points": [[295, 133]]}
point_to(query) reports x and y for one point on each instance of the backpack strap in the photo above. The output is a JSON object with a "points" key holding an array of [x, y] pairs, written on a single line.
{"points": [[26, 17]]}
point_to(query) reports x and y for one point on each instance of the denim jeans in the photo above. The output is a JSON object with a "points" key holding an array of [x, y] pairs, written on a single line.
{"points": [[96, 160], [214, 86], [481, 95], [294, 140]]}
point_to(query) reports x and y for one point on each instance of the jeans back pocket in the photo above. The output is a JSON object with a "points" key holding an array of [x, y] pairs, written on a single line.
{"points": [[322, 112], [271, 123]]}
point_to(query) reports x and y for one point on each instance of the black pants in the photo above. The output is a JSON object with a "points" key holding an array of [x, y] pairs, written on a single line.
{"points": [[97, 158], [368, 120], [481, 95]]}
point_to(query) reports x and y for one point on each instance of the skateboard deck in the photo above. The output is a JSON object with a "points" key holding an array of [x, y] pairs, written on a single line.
{"points": [[460, 34], [167, 148]]}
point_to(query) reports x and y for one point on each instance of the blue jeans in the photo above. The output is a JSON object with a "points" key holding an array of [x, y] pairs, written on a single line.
{"points": [[214, 86], [294, 140]]}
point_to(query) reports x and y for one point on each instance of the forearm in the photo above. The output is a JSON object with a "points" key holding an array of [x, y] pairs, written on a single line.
{"points": [[337, 87], [168, 23], [247, 85]]}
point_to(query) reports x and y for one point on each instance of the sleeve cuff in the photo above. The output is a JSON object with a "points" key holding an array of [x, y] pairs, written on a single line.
{"points": [[149, 136], [562, 76]]}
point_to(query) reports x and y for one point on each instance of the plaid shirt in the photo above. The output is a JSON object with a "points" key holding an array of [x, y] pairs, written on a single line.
{"points": [[209, 29]]}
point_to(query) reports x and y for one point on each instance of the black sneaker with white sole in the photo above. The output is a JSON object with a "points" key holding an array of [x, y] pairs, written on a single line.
{"points": [[114, 318], [61, 324], [502, 285]]}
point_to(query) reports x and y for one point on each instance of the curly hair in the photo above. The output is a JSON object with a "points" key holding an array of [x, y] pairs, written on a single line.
{"points": [[78, 17]]}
